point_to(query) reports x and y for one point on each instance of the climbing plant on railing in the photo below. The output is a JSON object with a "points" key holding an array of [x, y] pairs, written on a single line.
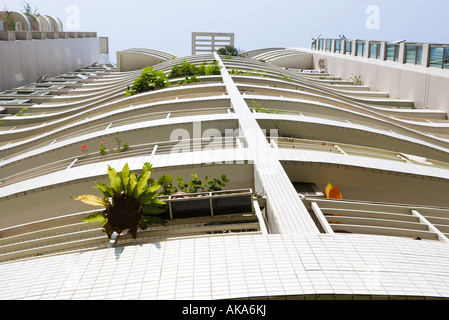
{"points": [[9, 19], [356, 80], [186, 69], [32, 14], [21, 112], [258, 108], [194, 186], [151, 79]]}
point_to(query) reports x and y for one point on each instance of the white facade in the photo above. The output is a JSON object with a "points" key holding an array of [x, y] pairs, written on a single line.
{"points": [[387, 238]]}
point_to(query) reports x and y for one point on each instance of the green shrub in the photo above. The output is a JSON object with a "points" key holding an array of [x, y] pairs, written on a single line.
{"points": [[149, 80]]}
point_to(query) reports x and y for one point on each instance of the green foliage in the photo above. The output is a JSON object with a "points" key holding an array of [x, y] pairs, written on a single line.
{"points": [[127, 189], [255, 73], [188, 79], [28, 10], [120, 148], [137, 186], [217, 184], [229, 51], [31, 15], [188, 70], [22, 111], [258, 108], [9, 19], [194, 186], [182, 70], [286, 78], [356, 80], [96, 217], [149, 80], [209, 69]]}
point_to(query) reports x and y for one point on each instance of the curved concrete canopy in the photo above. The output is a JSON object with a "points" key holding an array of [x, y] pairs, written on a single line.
{"points": [[287, 58], [35, 22], [295, 61], [45, 24], [55, 23], [256, 52], [135, 59], [24, 22]]}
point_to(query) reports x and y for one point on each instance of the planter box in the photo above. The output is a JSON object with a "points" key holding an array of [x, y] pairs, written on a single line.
{"points": [[7, 35], [208, 204]]}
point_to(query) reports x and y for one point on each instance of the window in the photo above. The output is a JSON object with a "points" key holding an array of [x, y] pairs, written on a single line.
{"points": [[393, 52], [446, 59], [321, 43], [439, 57], [348, 47], [413, 54], [360, 49], [374, 51], [314, 45], [328, 45], [338, 46]]}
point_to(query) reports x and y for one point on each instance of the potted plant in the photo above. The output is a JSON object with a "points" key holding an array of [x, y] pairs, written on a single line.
{"points": [[130, 202]]}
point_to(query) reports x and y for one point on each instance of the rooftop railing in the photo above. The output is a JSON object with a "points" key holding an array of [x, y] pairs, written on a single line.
{"points": [[422, 54], [43, 35]]}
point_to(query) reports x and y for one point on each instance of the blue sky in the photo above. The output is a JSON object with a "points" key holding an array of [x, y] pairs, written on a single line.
{"points": [[168, 25]]}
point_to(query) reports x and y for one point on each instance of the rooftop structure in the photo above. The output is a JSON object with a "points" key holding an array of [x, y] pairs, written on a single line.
{"points": [[38, 46], [334, 190], [206, 42]]}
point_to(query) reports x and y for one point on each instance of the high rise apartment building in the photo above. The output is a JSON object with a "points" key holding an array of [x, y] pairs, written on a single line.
{"points": [[284, 126]]}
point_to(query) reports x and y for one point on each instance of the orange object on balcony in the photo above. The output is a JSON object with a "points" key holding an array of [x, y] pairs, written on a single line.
{"points": [[333, 192]]}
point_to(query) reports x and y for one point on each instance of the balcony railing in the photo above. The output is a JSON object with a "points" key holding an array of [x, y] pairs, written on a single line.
{"points": [[217, 213], [354, 150], [156, 148], [358, 217]]}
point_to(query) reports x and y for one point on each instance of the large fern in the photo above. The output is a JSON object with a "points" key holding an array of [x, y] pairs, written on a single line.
{"points": [[130, 201]]}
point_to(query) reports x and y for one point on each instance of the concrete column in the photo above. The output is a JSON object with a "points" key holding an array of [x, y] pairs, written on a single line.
{"points": [[366, 53], [401, 53], [286, 214], [354, 47], [425, 55], [383, 51]]}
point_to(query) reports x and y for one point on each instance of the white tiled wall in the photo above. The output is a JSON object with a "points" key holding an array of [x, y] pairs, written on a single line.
{"points": [[236, 266]]}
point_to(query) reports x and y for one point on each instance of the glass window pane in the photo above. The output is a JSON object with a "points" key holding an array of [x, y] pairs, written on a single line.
{"points": [[390, 52], [446, 58], [337, 45], [436, 57], [349, 47], [419, 55], [360, 49], [410, 54], [328, 45], [373, 50], [321, 44]]}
